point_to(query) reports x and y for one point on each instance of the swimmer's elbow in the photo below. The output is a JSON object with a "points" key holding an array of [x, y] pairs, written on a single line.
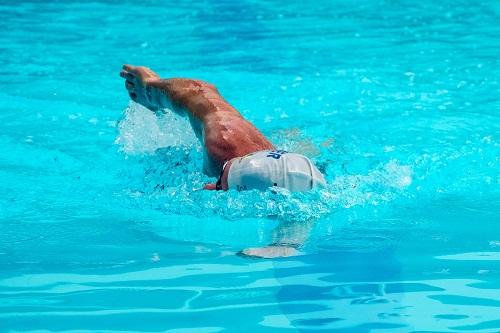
{"points": [[206, 86], [211, 86]]}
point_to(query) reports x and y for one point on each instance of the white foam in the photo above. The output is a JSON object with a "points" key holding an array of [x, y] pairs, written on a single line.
{"points": [[142, 131]]}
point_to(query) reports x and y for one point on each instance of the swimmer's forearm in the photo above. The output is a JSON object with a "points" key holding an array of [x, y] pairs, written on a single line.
{"points": [[160, 94], [180, 95], [167, 93]]}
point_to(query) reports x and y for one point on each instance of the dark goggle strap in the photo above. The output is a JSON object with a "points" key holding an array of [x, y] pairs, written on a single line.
{"points": [[218, 185]]}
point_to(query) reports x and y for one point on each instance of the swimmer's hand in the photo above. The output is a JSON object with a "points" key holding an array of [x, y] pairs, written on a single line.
{"points": [[270, 252], [138, 83]]}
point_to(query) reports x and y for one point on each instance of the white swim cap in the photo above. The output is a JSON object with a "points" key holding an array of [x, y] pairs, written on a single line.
{"points": [[267, 168]]}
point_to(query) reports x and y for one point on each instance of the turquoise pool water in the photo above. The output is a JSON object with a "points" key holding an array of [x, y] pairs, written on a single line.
{"points": [[102, 228]]}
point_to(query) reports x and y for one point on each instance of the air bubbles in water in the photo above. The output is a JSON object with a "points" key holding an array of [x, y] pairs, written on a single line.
{"points": [[172, 178], [143, 132]]}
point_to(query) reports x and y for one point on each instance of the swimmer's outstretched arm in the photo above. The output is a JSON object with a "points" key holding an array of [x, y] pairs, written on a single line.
{"points": [[221, 129], [195, 98]]}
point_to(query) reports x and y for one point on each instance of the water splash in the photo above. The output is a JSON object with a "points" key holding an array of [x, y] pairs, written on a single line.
{"points": [[144, 132], [172, 180]]}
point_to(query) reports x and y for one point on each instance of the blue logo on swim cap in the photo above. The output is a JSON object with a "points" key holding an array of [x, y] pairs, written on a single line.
{"points": [[276, 154]]}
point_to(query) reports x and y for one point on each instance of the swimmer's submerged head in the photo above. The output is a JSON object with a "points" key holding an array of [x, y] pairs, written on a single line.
{"points": [[270, 168]]}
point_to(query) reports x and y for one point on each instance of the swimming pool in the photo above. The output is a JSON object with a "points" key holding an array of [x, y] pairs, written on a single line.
{"points": [[102, 228]]}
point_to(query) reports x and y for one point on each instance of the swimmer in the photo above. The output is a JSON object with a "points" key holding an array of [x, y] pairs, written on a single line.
{"points": [[234, 149]]}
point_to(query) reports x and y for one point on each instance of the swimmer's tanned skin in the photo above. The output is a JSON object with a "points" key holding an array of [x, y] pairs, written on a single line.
{"points": [[223, 132], [219, 126]]}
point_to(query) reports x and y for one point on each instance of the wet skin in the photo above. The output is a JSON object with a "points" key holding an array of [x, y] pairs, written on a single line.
{"points": [[221, 129], [223, 132]]}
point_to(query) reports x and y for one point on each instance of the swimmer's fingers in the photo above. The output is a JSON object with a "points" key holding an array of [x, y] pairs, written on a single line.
{"points": [[127, 75], [128, 67], [133, 77], [129, 72], [129, 85], [210, 187]]}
